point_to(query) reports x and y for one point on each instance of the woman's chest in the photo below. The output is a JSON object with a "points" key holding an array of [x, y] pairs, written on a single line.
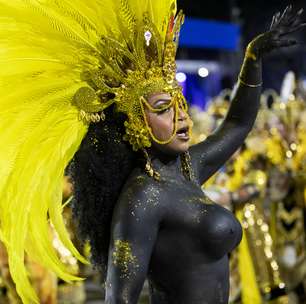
{"points": [[191, 217]]}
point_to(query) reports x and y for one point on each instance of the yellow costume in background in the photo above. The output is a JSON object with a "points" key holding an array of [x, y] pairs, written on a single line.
{"points": [[286, 150], [256, 252]]}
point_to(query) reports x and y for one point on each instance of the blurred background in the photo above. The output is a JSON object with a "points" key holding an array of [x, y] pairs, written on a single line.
{"points": [[214, 38]]}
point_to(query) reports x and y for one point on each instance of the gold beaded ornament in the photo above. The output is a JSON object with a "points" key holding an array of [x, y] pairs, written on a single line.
{"points": [[127, 76]]}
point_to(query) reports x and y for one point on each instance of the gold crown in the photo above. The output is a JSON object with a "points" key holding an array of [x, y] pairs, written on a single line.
{"points": [[129, 71]]}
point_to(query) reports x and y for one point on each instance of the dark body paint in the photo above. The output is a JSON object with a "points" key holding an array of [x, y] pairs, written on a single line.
{"points": [[177, 237]]}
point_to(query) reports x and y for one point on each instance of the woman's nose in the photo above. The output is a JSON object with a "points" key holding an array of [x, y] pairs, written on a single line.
{"points": [[182, 114]]}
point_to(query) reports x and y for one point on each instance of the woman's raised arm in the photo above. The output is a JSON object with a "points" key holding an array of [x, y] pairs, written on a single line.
{"points": [[208, 156]]}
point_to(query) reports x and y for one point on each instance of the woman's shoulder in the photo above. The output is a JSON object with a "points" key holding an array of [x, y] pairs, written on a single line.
{"points": [[140, 192], [138, 210], [140, 179]]}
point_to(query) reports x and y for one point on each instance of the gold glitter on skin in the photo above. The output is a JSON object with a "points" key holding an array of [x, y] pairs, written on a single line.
{"points": [[123, 257], [203, 200]]}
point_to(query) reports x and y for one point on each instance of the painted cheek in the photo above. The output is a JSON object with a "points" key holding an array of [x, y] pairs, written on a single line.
{"points": [[161, 124], [163, 130], [168, 125]]}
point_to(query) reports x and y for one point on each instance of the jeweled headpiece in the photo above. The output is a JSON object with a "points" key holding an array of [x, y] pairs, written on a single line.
{"points": [[133, 64]]}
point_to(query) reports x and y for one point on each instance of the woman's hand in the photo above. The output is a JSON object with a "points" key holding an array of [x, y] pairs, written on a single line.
{"points": [[282, 25]]}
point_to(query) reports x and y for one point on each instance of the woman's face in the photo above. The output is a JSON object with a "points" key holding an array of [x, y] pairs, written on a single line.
{"points": [[163, 124]]}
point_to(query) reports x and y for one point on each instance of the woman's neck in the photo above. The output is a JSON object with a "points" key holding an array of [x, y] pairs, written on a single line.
{"points": [[165, 162]]}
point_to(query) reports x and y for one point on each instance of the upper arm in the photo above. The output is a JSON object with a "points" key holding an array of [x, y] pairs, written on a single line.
{"points": [[211, 154], [134, 231]]}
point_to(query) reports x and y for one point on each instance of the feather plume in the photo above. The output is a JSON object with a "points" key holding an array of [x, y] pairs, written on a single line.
{"points": [[45, 45]]}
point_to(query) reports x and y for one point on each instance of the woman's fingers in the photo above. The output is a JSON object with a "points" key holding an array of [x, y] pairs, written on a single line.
{"points": [[290, 17], [277, 16], [275, 20], [285, 15], [272, 23], [297, 22], [293, 29], [287, 22], [285, 43], [295, 17]]}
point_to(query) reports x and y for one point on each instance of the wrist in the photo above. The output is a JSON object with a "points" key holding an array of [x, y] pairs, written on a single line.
{"points": [[251, 53], [250, 74], [253, 49]]}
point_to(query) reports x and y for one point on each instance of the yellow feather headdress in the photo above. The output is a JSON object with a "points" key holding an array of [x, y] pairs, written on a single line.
{"points": [[62, 60]]}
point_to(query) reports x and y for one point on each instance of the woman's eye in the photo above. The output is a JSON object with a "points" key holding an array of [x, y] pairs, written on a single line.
{"points": [[164, 111]]}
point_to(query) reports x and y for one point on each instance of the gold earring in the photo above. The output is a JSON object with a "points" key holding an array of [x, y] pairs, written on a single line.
{"points": [[186, 166], [149, 168]]}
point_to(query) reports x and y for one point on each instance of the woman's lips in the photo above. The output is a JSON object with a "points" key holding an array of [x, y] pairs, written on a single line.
{"points": [[183, 134]]}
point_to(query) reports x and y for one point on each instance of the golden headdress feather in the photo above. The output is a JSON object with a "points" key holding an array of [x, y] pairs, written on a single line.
{"points": [[61, 60]]}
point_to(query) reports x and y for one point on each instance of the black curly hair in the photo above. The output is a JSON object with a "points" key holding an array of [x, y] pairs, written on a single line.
{"points": [[98, 171]]}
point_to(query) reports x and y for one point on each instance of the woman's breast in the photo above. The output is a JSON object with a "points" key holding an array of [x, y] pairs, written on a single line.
{"points": [[219, 230], [213, 229]]}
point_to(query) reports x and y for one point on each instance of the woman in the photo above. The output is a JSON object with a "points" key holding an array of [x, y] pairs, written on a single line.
{"points": [[166, 229], [118, 66]]}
